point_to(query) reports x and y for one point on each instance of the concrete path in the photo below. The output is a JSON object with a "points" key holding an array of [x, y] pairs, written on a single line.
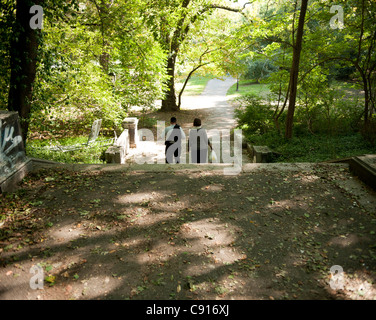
{"points": [[214, 98], [222, 118]]}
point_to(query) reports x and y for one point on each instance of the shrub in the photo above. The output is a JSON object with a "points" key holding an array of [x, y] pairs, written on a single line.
{"points": [[331, 114], [254, 116]]}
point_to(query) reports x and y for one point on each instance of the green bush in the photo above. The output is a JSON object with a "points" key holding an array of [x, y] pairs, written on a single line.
{"points": [[324, 131], [254, 115], [313, 148]]}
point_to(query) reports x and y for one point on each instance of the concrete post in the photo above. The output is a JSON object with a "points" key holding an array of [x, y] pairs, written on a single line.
{"points": [[131, 124]]}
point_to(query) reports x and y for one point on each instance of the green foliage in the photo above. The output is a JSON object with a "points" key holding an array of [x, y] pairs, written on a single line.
{"points": [[97, 59], [97, 64], [314, 148], [91, 154], [327, 125], [254, 116], [259, 69], [327, 53], [326, 110], [332, 114]]}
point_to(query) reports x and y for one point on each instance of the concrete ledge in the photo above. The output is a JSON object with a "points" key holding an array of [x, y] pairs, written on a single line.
{"points": [[33, 164], [216, 167], [364, 167], [115, 167], [363, 170], [261, 154], [10, 182], [286, 167]]}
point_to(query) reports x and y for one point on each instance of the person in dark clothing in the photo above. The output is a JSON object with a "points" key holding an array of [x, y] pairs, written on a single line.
{"points": [[173, 134]]}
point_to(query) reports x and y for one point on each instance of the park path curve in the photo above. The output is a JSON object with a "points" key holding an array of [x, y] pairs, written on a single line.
{"points": [[220, 113], [214, 98]]}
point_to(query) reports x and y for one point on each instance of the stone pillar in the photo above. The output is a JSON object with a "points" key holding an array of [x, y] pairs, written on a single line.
{"points": [[131, 125], [115, 154]]}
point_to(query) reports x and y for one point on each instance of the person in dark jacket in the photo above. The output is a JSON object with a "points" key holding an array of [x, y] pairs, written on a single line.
{"points": [[173, 134]]}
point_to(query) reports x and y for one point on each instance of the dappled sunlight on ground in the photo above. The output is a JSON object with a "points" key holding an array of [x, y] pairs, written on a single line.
{"points": [[263, 234], [358, 285]]}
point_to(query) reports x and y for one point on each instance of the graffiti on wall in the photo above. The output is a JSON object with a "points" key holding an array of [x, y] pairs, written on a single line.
{"points": [[11, 147]]}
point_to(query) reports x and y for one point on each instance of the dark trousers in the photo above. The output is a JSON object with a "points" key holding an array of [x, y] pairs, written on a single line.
{"points": [[170, 155], [199, 156]]}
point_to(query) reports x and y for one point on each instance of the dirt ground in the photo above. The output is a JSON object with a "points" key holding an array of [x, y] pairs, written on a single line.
{"points": [[188, 234], [271, 232]]}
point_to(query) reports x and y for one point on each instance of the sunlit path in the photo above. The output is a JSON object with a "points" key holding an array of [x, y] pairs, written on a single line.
{"points": [[214, 98], [221, 117]]}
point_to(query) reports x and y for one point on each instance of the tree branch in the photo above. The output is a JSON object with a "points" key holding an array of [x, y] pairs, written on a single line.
{"points": [[217, 6], [187, 79], [278, 41]]}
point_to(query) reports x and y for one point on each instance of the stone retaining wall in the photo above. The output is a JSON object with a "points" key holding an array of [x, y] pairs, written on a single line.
{"points": [[13, 162]]}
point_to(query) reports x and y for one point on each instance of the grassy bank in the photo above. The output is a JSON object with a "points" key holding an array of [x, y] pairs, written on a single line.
{"points": [[314, 148], [248, 87], [87, 154], [195, 85]]}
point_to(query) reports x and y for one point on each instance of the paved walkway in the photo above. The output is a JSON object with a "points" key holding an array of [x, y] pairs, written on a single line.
{"points": [[222, 118], [214, 98]]}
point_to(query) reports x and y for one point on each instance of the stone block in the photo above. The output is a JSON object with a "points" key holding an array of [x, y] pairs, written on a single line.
{"points": [[365, 168], [261, 154], [115, 154]]}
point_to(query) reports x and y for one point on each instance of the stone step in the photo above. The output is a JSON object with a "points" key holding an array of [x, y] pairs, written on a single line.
{"points": [[364, 167], [248, 167]]}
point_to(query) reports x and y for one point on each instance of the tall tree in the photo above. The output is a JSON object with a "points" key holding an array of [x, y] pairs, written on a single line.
{"points": [[6, 24], [171, 21], [24, 52], [353, 45], [294, 72], [23, 63], [363, 36]]}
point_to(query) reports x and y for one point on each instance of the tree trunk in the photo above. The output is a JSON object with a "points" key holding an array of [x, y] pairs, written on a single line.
{"points": [[169, 101], [172, 45], [295, 70], [187, 79], [366, 99], [23, 63]]}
